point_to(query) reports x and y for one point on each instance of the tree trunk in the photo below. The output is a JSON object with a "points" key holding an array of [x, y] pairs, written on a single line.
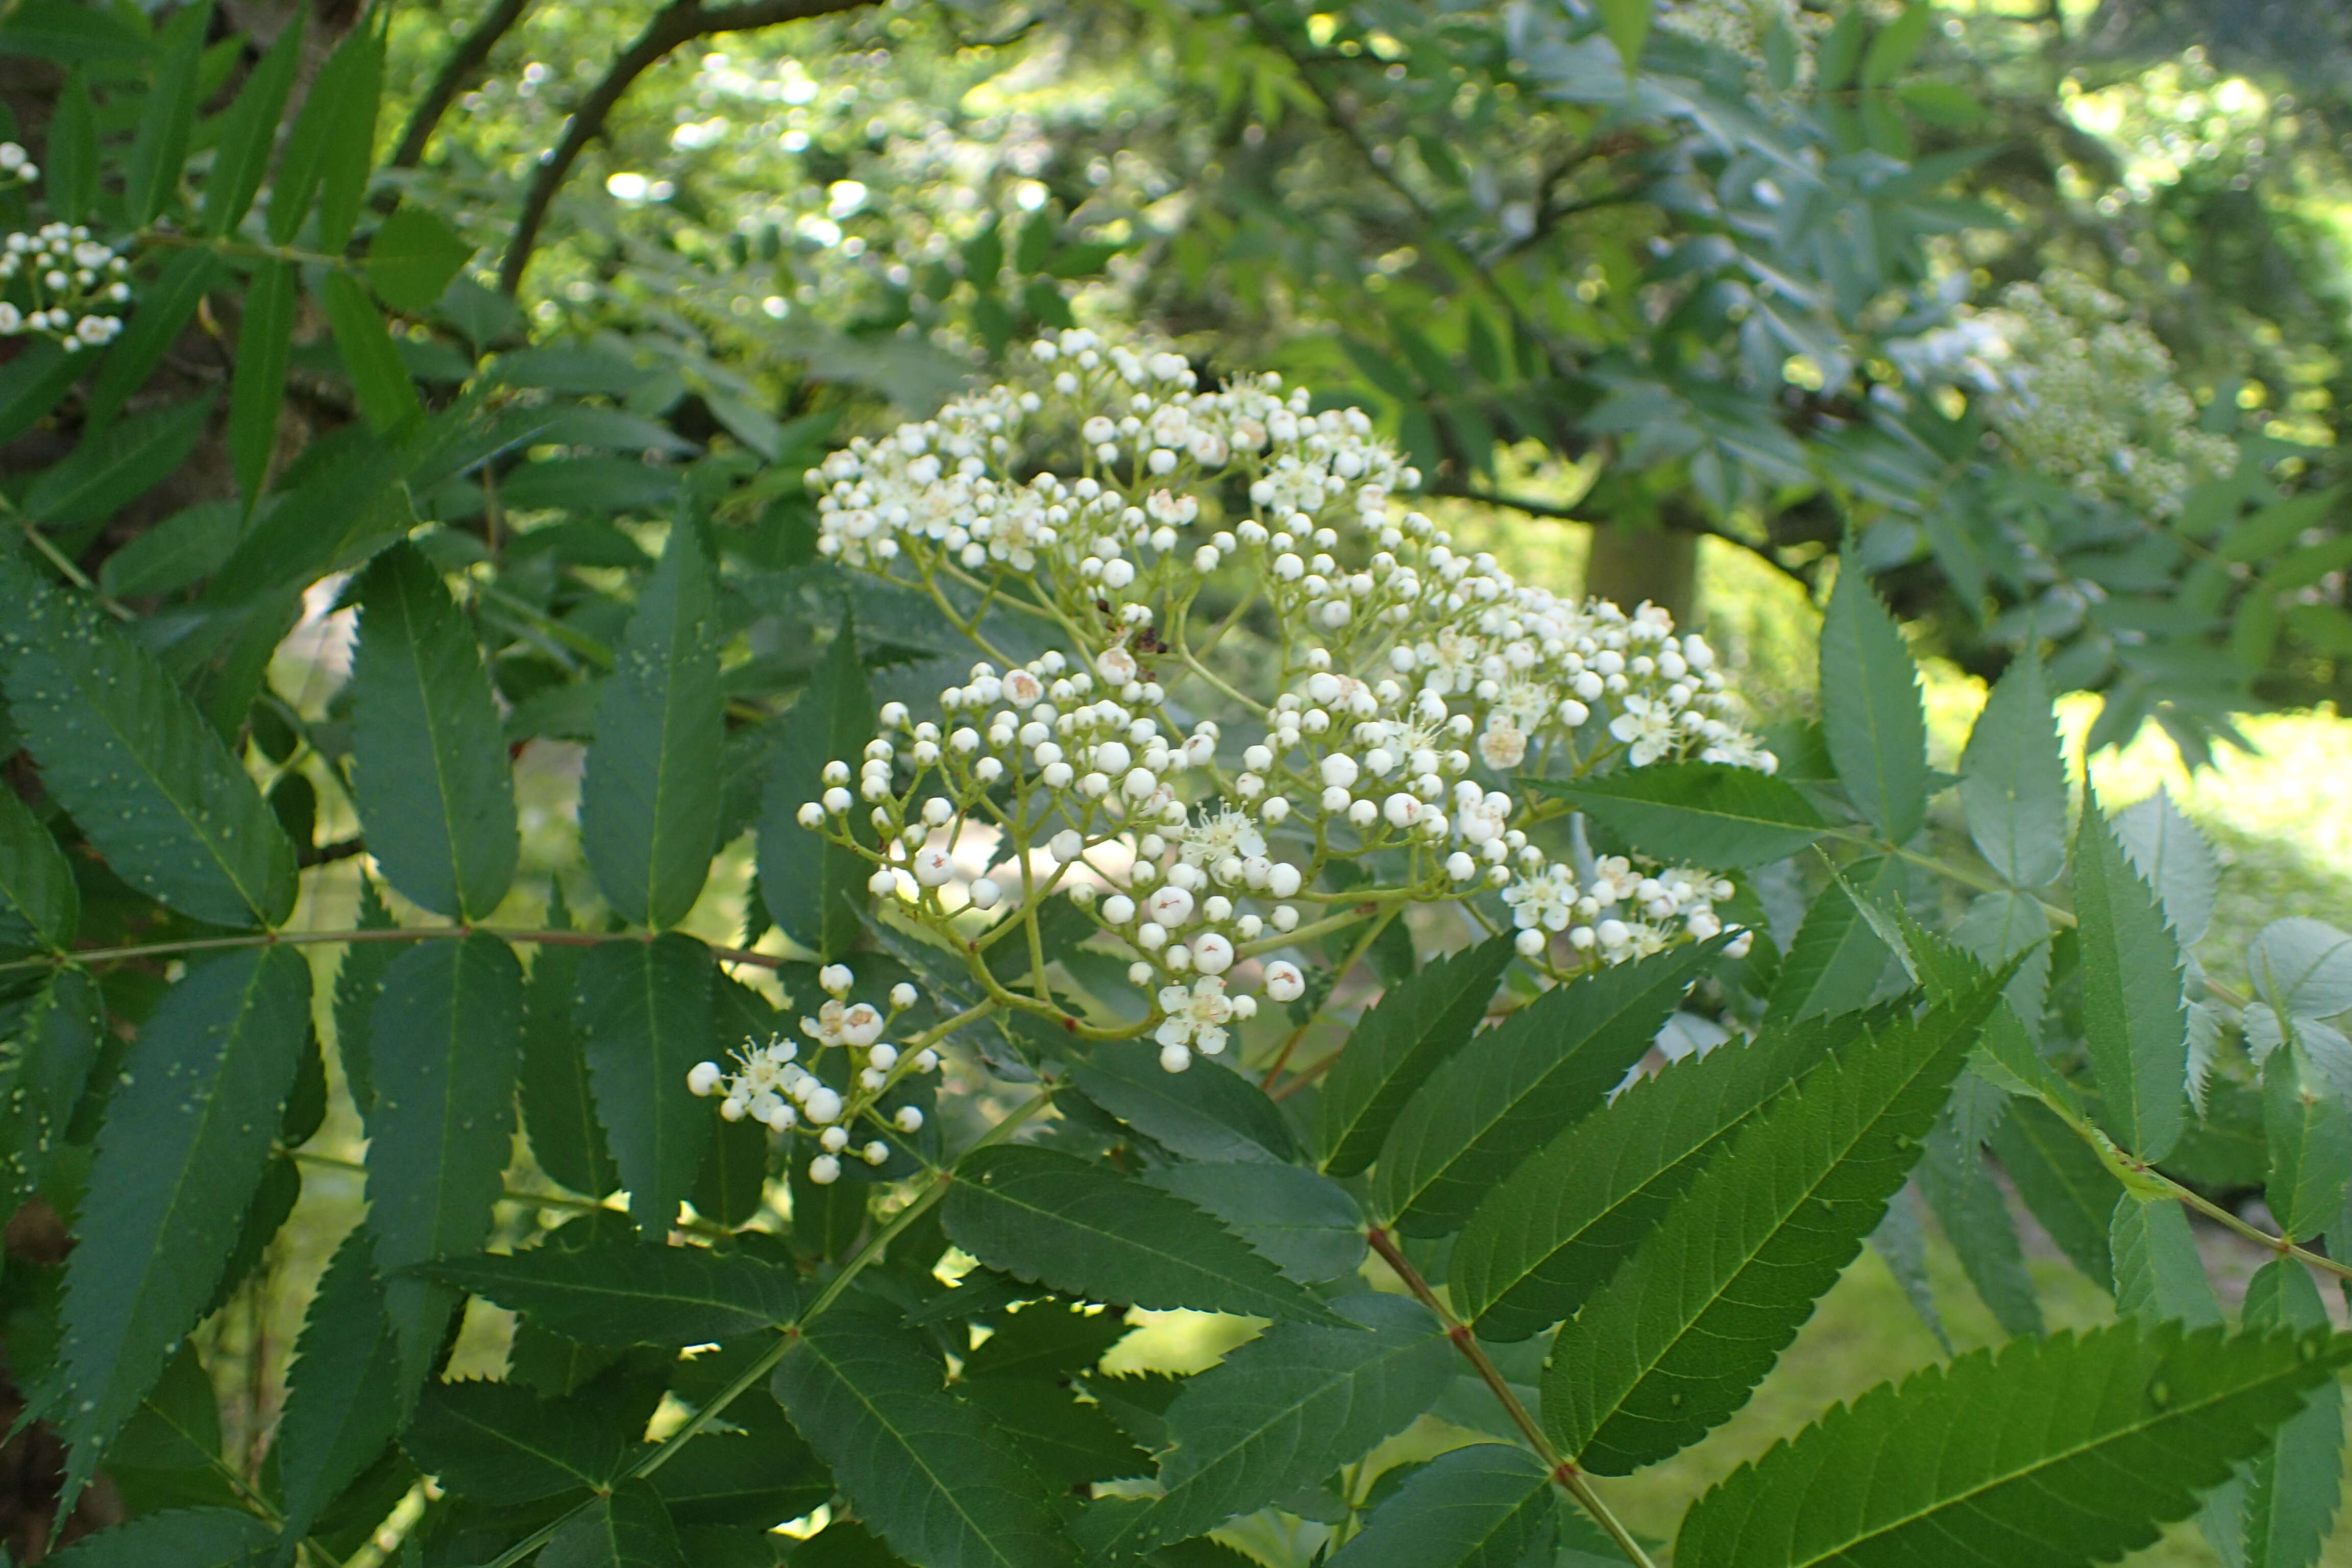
{"points": [[1630, 565]]}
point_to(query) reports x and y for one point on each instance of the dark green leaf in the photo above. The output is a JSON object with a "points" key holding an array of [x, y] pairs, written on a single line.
{"points": [[1543, 1241], [1415, 1026], [332, 146], [63, 30], [164, 308], [649, 798], [1837, 961], [1486, 1506], [628, 1528], [1871, 716], [647, 1010], [344, 1402], [435, 792], [1047, 1342], [189, 544], [2310, 1137], [39, 905], [161, 145], [1307, 1224], [183, 1538], [648, 1294], [379, 376], [815, 891], [39, 376], [1708, 813], [2014, 780], [1968, 1206], [925, 1470], [1521, 1083], [2296, 1480], [359, 980], [115, 466], [1282, 1413], [412, 257], [1064, 1440], [2135, 1024], [49, 1045], [248, 133], [498, 1443], [2126, 1424], [2062, 1182], [71, 172], [557, 1109], [258, 385], [758, 1477], [187, 1138], [1084, 1229], [1207, 1112], [444, 1042], [1684, 1330]]}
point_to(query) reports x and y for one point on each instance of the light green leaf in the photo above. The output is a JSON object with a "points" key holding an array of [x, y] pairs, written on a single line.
{"points": [[1837, 963], [2158, 1274], [1706, 814], [2135, 1023], [113, 466], [1542, 1242], [2301, 967], [649, 798], [2127, 1424], [378, 375], [248, 133], [1208, 1113], [1086, 1230], [2173, 857], [2295, 1482], [412, 257], [500, 1443], [1628, 22], [1486, 1506], [815, 891], [1871, 717], [2310, 1138], [2000, 926], [163, 309], [1282, 1413], [647, 1010], [1306, 1223], [1403, 1038], [435, 792], [924, 1468], [1684, 1329], [257, 385], [185, 1538], [39, 904], [2062, 1182], [186, 1137], [1519, 1084], [628, 1527], [160, 146], [344, 1394], [648, 1294], [2014, 780]]}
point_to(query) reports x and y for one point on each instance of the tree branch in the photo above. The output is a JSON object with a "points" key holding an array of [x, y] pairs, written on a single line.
{"points": [[1674, 519], [455, 71], [680, 22]]}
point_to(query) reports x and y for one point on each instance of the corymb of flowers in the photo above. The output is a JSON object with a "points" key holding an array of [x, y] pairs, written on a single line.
{"points": [[1410, 702]]}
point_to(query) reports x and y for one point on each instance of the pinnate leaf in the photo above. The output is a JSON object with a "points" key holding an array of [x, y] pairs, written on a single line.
{"points": [[1086, 1230], [1705, 814], [258, 385], [185, 1538], [1207, 1113], [924, 1469], [1307, 1224], [2173, 857], [435, 792], [500, 1443], [816, 891], [647, 1008], [2134, 1020], [2295, 1483], [1837, 961], [187, 1138], [2062, 1182], [2310, 1136], [628, 1527], [2013, 779], [2159, 1277], [1673, 1344], [126, 753], [649, 797], [343, 1401], [379, 376], [1871, 716], [2127, 1424], [645, 1294], [1414, 1026], [249, 131], [1486, 1506], [558, 1110], [412, 257]]}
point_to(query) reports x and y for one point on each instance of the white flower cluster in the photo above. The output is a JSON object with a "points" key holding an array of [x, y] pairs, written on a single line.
{"points": [[2086, 394], [69, 280], [770, 1086], [16, 165], [1412, 687]]}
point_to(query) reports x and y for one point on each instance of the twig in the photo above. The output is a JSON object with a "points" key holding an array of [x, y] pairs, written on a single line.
{"points": [[678, 23], [464, 61]]}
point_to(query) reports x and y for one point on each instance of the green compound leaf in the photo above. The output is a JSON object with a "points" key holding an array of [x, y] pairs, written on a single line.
{"points": [[647, 1009], [2062, 1182], [558, 1110], [412, 257], [1673, 1343], [816, 891], [1521, 1083], [379, 376], [1209, 1112], [2295, 1483], [186, 1139], [1870, 717], [1086, 1230], [343, 1405], [359, 980], [1541, 1243], [1968, 1206], [923, 1468], [164, 308], [248, 133], [649, 797], [1705, 814], [1413, 1028], [1306, 1223], [1837, 959], [331, 148], [445, 1039], [1282, 1413], [39, 904], [648, 1294], [500, 1443], [2134, 1020], [2310, 1136], [2014, 780], [160, 147], [435, 792], [49, 1043], [1968, 1464], [1486, 1506], [264, 344], [2159, 1275], [629, 1527], [144, 777], [185, 1538]]}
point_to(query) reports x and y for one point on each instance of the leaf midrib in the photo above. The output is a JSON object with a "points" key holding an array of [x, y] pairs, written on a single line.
{"points": [[412, 625]]}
